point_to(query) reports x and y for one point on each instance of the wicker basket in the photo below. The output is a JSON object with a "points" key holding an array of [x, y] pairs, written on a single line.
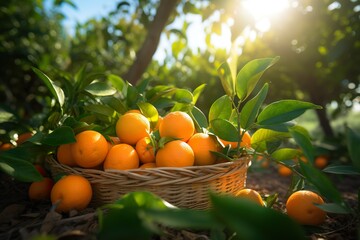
{"points": [[183, 187]]}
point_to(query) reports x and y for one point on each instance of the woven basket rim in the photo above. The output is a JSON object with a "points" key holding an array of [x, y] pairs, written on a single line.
{"points": [[241, 160]]}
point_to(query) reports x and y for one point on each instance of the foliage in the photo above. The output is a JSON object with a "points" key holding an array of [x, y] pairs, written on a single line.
{"points": [[141, 215]]}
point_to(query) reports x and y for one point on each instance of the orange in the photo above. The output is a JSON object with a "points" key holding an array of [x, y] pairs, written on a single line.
{"points": [[145, 150], [301, 207], [284, 171], [72, 192], [23, 137], [41, 190], [6, 146], [64, 155], [148, 165], [177, 125], [133, 111], [121, 157], [41, 170], [202, 144], [251, 195], [131, 127], [245, 141], [90, 149], [176, 153], [264, 162], [321, 161]]}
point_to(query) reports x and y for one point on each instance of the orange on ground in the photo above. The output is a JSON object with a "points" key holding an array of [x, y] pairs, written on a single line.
{"points": [[300, 206], [245, 141], [90, 149], [41, 170], [41, 190], [71, 192], [251, 195], [264, 162], [64, 156], [321, 161], [23, 137], [148, 165], [131, 127], [145, 150], [177, 125], [6, 146], [284, 171], [121, 157], [202, 144], [176, 153]]}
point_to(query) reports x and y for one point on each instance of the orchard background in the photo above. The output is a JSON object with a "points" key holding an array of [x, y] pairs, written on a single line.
{"points": [[317, 41]]}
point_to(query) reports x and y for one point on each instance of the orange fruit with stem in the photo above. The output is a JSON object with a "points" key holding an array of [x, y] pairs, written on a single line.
{"points": [[245, 141], [177, 124], [145, 150], [321, 161], [64, 156], [284, 170], [176, 153], [301, 207], [121, 157], [40, 190], [131, 127], [6, 146], [90, 149], [251, 195], [23, 137], [72, 192], [202, 144]]}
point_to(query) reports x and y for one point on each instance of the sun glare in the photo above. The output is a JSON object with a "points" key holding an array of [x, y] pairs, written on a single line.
{"points": [[262, 10]]}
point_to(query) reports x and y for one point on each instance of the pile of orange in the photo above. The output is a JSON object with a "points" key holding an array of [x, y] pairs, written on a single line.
{"points": [[134, 146]]}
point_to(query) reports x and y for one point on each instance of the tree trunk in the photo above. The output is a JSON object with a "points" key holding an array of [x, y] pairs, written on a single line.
{"points": [[146, 52], [321, 113]]}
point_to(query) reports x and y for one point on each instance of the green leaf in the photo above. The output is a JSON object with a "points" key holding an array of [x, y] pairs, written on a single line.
{"points": [[261, 136], [199, 118], [114, 103], [118, 83], [183, 96], [61, 135], [100, 89], [56, 91], [221, 108], [100, 109], [21, 170], [353, 142], [285, 154], [197, 92], [225, 130], [251, 109], [250, 74], [251, 221], [182, 218], [341, 169], [321, 182], [283, 111], [150, 112], [303, 140], [226, 79], [132, 96], [334, 208]]}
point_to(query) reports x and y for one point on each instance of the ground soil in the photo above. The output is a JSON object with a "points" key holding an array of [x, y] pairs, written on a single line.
{"points": [[22, 219]]}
